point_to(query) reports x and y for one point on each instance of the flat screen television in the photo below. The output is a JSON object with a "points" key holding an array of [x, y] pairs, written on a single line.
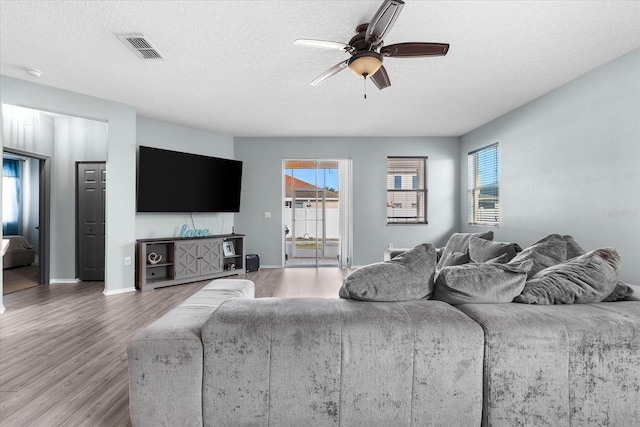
{"points": [[176, 182]]}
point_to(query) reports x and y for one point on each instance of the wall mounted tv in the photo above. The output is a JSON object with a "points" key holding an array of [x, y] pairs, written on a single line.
{"points": [[173, 182]]}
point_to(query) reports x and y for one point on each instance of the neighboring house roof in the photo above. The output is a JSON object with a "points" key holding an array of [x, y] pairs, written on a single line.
{"points": [[295, 183]]}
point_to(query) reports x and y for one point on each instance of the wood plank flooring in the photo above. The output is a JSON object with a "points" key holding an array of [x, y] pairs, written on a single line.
{"points": [[63, 359]]}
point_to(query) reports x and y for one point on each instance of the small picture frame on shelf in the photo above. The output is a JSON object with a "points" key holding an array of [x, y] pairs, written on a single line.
{"points": [[228, 249]]}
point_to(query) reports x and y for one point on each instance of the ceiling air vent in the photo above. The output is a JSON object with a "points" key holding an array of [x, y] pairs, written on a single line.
{"points": [[140, 46]]}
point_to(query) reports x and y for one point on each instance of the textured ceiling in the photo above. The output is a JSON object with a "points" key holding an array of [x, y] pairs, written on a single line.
{"points": [[231, 67]]}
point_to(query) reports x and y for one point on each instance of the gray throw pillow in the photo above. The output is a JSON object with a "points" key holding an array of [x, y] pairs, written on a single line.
{"points": [[459, 242], [544, 253], [587, 278], [455, 258], [481, 250], [408, 276], [502, 259], [481, 283], [573, 249], [620, 292]]}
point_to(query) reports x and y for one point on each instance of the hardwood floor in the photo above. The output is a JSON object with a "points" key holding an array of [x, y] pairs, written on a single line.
{"points": [[63, 359]]}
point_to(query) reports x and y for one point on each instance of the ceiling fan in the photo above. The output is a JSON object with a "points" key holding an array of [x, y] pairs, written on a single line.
{"points": [[367, 49]]}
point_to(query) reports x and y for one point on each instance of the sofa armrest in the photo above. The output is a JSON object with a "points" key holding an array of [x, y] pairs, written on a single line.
{"points": [[166, 359]]}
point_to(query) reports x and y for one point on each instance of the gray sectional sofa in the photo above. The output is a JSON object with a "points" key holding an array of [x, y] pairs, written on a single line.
{"points": [[223, 358]]}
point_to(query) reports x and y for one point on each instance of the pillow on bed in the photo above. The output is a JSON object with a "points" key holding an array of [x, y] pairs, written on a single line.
{"points": [[481, 250], [459, 242], [544, 253], [407, 276], [588, 278], [481, 283]]}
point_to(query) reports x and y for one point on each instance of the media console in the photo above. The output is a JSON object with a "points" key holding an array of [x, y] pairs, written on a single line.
{"points": [[173, 261]]}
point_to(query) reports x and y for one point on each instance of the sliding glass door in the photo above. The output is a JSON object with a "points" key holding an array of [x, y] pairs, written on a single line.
{"points": [[312, 213]]}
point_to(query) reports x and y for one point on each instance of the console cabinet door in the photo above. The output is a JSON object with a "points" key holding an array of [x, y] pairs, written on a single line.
{"points": [[186, 259], [198, 258], [210, 254]]}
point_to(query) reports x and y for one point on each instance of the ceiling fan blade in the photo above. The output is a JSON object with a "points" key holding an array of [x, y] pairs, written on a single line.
{"points": [[330, 72], [414, 50], [383, 20], [381, 78], [322, 44]]}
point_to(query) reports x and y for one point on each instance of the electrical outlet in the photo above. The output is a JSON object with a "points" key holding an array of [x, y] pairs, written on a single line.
{"points": [[127, 260]]}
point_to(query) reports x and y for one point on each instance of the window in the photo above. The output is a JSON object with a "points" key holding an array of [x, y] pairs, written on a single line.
{"points": [[11, 196], [397, 182], [483, 195], [406, 190]]}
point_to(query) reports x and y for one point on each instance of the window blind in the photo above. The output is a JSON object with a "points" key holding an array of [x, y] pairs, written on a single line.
{"points": [[483, 194]]}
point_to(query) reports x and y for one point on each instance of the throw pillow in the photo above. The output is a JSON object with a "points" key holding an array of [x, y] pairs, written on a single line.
{"points": [[502, 259], [407, 276], [481, 250], [455, 258], [620, 292], [459, 242], [573, 249], [481, 283], [544, 253], [587, 278]]}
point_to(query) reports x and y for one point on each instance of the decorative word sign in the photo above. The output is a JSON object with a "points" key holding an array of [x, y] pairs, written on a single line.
{"points": [[196, 232]]}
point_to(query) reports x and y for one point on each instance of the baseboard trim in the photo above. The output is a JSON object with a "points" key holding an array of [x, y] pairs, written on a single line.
{"points": [[2, 308], [52, 281], [118, 291]]}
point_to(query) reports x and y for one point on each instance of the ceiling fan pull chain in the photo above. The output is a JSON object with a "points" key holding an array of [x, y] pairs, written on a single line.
{"points": [[365, 85]]}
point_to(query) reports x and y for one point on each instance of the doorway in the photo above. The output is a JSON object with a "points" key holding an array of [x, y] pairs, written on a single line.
{"points": [[315, 234], [25, 219]]}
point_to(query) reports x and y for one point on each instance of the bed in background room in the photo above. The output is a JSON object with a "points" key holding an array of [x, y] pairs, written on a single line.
{"points": [[18, 253]]}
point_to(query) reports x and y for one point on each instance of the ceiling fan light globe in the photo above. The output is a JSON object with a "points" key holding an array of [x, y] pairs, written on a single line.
{"points": [[365, 64]]}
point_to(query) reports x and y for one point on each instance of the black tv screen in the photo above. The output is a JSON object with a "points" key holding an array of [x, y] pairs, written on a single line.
{"points": [[171, 181]]}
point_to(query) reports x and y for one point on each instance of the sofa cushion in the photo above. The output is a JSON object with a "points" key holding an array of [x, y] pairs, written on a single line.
{"points": [[459, 242], [166, 358], [330, 362], [481, 283], [544, 253], [587, 278], [408, 276], [481, 250], [553, 365]]}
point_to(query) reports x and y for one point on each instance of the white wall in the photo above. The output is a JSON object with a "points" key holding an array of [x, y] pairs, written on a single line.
{"points": [[570, 164], [262, 191], [152, 133]]}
